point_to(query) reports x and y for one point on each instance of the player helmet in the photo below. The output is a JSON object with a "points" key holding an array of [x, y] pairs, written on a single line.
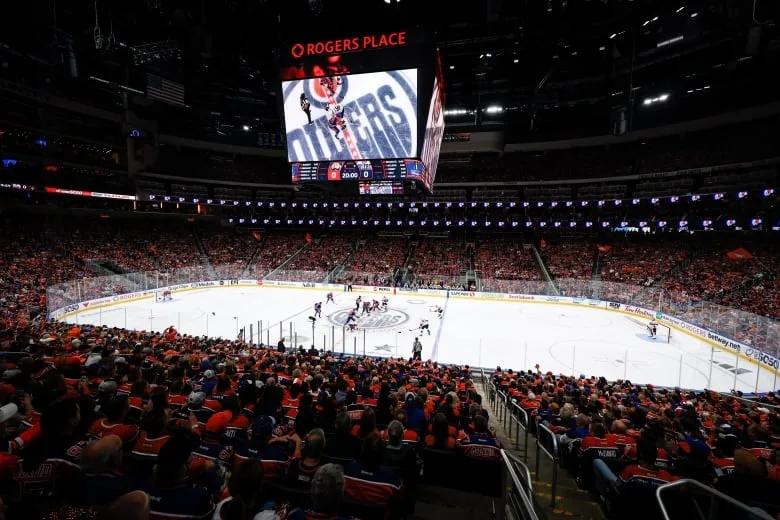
{"points": [[338, 108]]}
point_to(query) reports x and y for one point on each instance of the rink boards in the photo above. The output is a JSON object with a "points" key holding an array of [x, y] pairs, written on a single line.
{"points": [[723, 343]]}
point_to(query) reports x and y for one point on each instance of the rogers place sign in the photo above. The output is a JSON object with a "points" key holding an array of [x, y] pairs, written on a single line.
{"points": [[341, 45]]}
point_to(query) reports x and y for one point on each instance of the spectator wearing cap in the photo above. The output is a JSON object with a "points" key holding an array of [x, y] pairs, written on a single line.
{"points": [[170, 492], [343, 445], [8, 460], [209, 382], [115, 410], [195, 406], [367, 481], [327, 494], [303, 466]]}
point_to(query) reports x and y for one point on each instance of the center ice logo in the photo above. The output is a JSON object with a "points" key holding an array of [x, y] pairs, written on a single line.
{"points": [[376, 320]]}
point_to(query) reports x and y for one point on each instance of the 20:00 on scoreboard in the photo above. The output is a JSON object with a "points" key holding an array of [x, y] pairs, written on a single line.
{"points": [[380, 169]]}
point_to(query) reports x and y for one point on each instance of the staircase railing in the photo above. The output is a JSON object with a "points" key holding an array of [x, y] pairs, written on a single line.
{"points": [[715, 496], [545, 272], [520, 493]]}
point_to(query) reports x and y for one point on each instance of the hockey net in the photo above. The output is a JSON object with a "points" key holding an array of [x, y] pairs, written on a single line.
{"points": [[663, 333], [162, 296]]}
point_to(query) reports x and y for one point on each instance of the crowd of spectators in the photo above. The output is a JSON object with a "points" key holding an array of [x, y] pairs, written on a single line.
{"points": [[640, 263], [213, 428], [443, 258], [622, 439], [318, 258], [380, 255], [505, 259], [275, 249], [228, 251]]}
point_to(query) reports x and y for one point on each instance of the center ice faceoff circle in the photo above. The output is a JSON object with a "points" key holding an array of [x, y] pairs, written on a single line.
{"points": [[376, 320]]}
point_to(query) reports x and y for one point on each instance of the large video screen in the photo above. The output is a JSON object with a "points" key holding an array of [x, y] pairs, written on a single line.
{"points": [[351, 117], [434, 133]]}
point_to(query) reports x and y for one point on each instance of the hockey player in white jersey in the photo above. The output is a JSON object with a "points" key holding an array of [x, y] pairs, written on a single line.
{"points": [[424, 327], [336, 119], [384, 303], [652, 328]]}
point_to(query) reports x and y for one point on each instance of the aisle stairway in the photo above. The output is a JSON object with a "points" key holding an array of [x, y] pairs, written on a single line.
{"points": [[571, 502]]}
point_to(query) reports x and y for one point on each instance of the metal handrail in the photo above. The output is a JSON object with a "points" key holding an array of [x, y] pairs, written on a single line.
{"points": [[521, 424], [514, 459], [714, 493], [525, 492], [552, 456]]}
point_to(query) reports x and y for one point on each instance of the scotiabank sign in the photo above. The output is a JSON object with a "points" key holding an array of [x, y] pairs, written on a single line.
{"points": [[358, 43]]}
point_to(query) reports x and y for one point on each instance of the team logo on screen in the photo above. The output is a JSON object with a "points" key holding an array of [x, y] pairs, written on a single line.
{"points": [[353, 118], [376, 320], [327, 90]]}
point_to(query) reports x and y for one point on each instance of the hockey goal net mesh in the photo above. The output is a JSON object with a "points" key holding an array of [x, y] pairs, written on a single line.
{"points": [[161, 296]]}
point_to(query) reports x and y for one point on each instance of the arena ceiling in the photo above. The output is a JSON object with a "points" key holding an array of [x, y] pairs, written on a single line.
{"points": [[524, 61]]}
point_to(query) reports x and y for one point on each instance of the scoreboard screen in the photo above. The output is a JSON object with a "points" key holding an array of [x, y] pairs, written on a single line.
{"points": [[364, 107], [374, 170], [381, 188]]}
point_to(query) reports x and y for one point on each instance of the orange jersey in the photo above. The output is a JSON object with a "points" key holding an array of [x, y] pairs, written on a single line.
{"points": [[149, 447], [127, 432]]}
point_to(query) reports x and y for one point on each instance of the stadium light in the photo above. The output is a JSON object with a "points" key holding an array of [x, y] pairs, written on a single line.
{"points": [[494, 110]]}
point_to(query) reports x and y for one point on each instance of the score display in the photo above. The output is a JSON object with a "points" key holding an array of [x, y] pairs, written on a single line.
{"points": [[374, 170]]}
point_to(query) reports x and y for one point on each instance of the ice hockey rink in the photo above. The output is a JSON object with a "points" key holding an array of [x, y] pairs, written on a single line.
{"points": [[560, 338]]}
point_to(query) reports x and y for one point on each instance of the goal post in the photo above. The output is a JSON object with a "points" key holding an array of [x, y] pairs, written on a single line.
{"points": [[664, 333]]}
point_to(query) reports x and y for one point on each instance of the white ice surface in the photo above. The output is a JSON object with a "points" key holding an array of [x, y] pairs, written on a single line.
{"points": [[561, 338]]}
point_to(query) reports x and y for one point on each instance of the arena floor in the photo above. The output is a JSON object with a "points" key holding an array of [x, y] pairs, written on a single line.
{"points": [[561, 338]]}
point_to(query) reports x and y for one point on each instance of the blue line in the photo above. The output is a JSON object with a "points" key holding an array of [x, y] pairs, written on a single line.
{"points": [[435, 351]]}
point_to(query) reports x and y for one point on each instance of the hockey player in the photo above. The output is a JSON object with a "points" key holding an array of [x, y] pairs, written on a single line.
{"points": [[652, 328], [318, 310], [439, 311], [366, 307], [329, 84], [424, 327], [375, 305], [384, 303], [358, 301], [329, 298], [336, 119], [351, 322], [306, 106]]}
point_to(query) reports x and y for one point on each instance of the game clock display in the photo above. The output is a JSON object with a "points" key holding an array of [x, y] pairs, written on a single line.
{"points": [[375, 170]]}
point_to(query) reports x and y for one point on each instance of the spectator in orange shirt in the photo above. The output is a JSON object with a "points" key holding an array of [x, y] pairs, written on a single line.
{"points": [[644, 473], [115, 410], [440, 437]]}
